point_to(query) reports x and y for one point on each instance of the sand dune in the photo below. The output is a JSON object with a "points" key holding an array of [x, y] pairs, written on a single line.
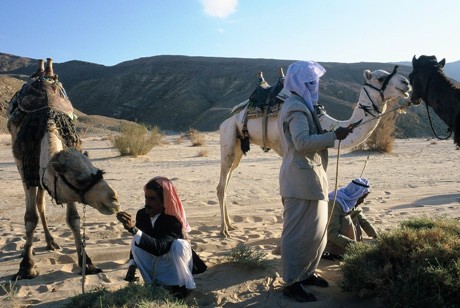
{"points": [[419, 178]]}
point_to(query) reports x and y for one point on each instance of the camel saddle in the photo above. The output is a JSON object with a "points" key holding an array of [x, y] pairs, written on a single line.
{"points": [[40, 93]]}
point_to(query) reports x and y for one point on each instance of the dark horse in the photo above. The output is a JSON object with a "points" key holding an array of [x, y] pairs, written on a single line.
{"points": [[431, 85]]}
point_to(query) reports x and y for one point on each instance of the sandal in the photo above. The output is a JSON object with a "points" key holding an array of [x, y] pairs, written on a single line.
{"points": [[296, 292], [315, 280]]}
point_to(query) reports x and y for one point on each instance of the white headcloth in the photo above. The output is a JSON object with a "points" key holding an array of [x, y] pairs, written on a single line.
{"points": [[302, 77], [348, 196]]}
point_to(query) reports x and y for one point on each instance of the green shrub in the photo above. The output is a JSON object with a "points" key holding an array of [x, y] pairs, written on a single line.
{"points": [[131, 296], [135, 139], [247, 256], [416, 265]]}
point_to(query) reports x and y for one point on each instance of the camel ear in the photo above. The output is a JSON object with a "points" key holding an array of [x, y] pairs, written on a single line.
{"points": [[414, 60], [58, 167], [367, 74], [442, 63]]}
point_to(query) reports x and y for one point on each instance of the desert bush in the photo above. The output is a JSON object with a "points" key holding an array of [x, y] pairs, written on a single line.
{"points": [[133, 295], [136, 139], [247, 256], [415, 265], [383, 137], [196, 137]]}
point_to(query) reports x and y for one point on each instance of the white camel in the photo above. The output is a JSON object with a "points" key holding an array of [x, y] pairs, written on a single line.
{"points": [[46, 159], [380, 87]]}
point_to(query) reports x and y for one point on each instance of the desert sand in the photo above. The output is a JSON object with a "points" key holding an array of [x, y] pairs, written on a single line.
{"points": [[420, 178]]}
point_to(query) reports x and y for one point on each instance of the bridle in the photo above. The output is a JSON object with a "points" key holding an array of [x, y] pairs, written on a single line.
{"points": [[95, 178], [424, 98], [366, 109]]}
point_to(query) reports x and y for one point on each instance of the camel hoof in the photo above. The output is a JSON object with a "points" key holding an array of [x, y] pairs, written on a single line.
{"points": [[25, 274], [232, 228], [224, 234], [53, 246]]}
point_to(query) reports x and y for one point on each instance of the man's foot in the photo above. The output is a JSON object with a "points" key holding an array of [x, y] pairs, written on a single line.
{"points": [[296, 292], [131, 274], [330, 256], [179, 292], [315, 280]]}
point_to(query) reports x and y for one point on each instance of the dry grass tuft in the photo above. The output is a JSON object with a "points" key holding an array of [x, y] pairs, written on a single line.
{"points": [[383, 137], [196, 137], [203, 153], [136, 139]]}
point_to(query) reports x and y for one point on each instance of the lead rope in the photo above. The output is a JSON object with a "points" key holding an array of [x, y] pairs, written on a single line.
{"points": [[83, 253], [330, 215]]}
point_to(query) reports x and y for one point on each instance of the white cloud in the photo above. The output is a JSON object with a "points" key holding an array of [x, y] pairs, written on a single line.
{"points": [[219, 8], [220, 30]]}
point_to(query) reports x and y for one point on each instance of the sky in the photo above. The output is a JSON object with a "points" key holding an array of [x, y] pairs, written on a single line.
{"points": [[109, 32]]}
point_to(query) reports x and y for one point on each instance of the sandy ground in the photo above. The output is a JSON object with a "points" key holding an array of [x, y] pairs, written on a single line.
{"points": [[419, 178]]}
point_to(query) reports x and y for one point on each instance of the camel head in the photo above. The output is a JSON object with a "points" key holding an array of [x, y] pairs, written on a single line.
{"points": [[422, 69], [390, 85], [75, 179]]}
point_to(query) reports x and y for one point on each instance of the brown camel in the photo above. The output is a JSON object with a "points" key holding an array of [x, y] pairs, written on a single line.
{"points": [[437, 91], [45, 148]]}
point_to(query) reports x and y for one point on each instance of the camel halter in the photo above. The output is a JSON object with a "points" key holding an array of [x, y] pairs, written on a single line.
{"points": [[381, 90], [95, 178]]}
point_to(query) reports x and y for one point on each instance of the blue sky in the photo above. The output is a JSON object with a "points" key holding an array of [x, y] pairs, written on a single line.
{"points": [[112, 31]]}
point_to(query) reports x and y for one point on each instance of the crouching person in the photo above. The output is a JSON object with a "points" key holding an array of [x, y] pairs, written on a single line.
{"points": [[159, 248]]}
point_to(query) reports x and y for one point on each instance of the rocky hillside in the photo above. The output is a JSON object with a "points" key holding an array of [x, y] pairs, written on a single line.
{"points": [[179, 92]]}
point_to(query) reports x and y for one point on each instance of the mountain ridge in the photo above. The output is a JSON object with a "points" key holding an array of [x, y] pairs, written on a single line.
{"points": [[179, 92]]}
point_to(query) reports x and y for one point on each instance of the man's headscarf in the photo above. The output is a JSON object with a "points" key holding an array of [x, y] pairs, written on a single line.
{"points": [[171, 202], [348, 196], [302, 77]]}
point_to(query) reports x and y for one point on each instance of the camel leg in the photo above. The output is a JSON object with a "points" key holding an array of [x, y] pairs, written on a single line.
{"points": [[41, 205], [230, 159], [73, 220], [26, 267]]}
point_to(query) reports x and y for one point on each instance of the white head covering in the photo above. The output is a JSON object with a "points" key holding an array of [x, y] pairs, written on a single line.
{"points": [[348, 196], [302, 77]]}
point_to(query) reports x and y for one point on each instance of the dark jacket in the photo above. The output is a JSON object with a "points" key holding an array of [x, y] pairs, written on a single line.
{"points": [[157, 240]]}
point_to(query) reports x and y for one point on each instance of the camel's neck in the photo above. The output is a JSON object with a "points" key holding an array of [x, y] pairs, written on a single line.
{"points": [[50, 145], [444, 98], [362, 132]]}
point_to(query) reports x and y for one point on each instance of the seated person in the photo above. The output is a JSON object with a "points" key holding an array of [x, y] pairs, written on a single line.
{"points": [[347, 219], [158, 247]]}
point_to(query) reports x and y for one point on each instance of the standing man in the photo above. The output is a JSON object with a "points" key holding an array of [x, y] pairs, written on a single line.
{"points": [[303, 180]]}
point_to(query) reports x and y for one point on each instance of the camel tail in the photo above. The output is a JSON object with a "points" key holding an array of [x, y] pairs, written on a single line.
{"points": [[245, 147]]}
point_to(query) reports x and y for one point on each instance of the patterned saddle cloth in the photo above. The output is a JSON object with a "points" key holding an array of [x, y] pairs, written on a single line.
{"points": [[40, 93]]}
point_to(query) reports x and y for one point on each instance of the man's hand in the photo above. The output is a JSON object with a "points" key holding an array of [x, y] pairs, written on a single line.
{"points": [[126, 219], [342, 132]]}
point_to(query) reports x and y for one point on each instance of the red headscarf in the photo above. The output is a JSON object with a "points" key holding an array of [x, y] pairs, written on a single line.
{"points": [[171, 202]]}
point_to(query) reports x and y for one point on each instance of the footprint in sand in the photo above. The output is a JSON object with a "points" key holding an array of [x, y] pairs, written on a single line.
{"points": [[252, 219]]}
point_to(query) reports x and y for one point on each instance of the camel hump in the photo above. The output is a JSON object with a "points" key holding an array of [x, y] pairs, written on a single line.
{"points": [[44, 93]]}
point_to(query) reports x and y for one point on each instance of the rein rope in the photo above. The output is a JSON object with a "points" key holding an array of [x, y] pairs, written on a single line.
{"points": [[83, 252], [449, 131]]}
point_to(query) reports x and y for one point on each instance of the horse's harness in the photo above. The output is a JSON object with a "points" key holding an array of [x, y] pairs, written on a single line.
{"points": [[366, 109], [95, 178]]}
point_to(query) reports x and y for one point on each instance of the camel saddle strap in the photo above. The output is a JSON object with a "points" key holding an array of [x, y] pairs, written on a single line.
{"points": [[44, 93]]}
